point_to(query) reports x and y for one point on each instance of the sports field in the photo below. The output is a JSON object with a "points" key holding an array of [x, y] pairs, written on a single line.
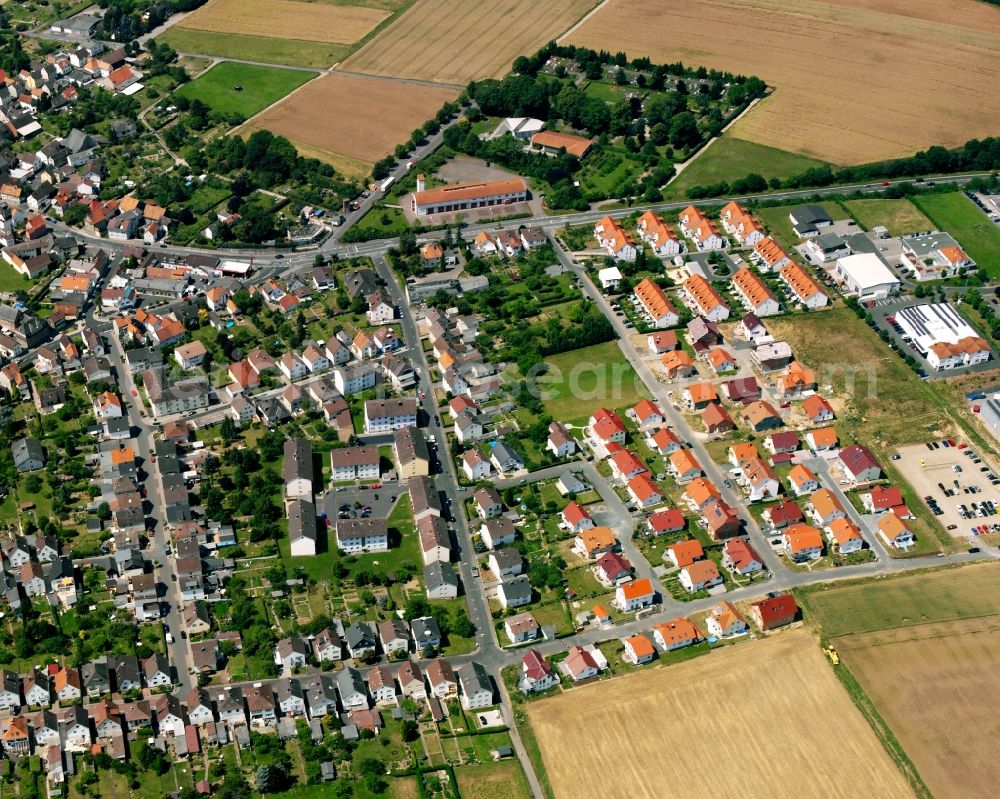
{"points": [[353, 118], [898, 216], [259, 87], [286, 19], [856, 80], [729, 158], [965, 592], [762, 719], [956, 213], [455, 41]]}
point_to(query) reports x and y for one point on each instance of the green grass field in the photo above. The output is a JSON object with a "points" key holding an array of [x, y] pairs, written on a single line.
{"points": [[898, 216], [731, 159], [259, 48], [927, 596], [261, 86], [956, 214], [581, 380], [502, 780]]}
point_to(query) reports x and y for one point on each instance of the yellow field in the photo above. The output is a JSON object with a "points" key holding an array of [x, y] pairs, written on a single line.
{"points": [[357, 119], [767, 718], [286, 19], [856, 80], [455, 41], [937, 686]]}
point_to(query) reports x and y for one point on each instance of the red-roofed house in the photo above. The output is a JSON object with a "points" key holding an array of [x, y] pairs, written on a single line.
{"points": [[883, 499], [612, 569], [666, 521], [536, 673], [576, 517], [741, 558], [774, 612]]}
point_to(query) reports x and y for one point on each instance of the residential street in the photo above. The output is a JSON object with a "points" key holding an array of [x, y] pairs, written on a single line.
{"points": [[179, 653]]}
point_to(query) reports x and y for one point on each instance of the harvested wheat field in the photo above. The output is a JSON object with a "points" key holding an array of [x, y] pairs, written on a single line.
{"points": [[286, 19], [767, 718], [856, 80], [937, 686], [360, 119], [455, 41]]}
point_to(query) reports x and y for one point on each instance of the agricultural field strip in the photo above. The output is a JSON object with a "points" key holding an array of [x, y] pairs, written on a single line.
{"points": [[649, 722], [389, 112], [937, 686], [416, 45], [287, 19]]}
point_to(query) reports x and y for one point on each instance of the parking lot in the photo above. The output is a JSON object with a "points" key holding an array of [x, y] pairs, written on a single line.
{"points": [[381, 501], [953, 477]]}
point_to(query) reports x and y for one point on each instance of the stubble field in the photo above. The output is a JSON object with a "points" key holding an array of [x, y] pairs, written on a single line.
{"points": [[768, 718], [350, 120], [856, 80], [286, 19], [455, 41], [937, 686]]}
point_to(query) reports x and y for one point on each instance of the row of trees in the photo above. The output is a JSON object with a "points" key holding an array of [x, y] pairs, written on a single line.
{"points": [[973, 156]]}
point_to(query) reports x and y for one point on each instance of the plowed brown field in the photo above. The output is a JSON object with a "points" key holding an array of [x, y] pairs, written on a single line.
{"points": [[286, 19], [361, 119], [767, 718], [938, 688], [856, 80], [455, 41]]}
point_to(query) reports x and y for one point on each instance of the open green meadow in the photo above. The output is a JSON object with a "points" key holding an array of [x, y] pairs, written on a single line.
{"points": [[964, 592], [729, 158], [898, 216], [259, 87], [581, 380], [501, 780], [319, 55], [955, 213]]}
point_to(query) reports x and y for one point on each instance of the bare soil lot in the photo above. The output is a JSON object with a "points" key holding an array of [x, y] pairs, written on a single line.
{"points": [[361, 119], [455, 41], [938, 688], [286, 19], [857, 80], [687, 731], [939, 468]]}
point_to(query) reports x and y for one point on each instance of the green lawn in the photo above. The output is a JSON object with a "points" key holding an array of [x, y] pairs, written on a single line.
{"points": [[501, 780], [11, 280], [731, 159], [956, 214], [293, 52], [927, 596], [261, 86], [581, 380], [898, 216]]}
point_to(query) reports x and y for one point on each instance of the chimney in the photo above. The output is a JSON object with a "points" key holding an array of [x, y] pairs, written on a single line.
{"points": [[420, 182]]}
